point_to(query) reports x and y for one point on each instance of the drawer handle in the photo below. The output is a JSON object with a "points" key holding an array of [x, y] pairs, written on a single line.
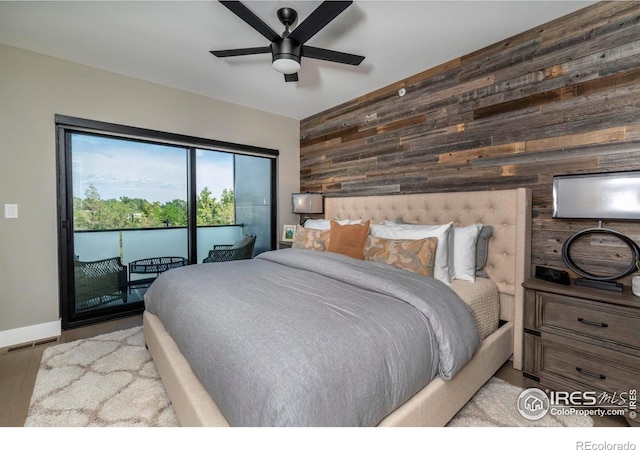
{"points": [[591, 374], [592, 323]]}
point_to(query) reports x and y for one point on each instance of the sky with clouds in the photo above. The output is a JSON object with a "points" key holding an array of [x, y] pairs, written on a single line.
{"points": [[122, 168]]}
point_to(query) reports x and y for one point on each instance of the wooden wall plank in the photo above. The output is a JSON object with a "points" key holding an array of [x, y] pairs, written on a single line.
{"points": [[561, 98]]}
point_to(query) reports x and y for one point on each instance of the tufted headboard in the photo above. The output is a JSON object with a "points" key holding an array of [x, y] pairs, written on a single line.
{"points": [[507, 211]]}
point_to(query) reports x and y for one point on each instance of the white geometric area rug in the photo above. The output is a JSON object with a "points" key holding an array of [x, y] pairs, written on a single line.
{"points": [[111, 381], [495, 405], [108, 380]]}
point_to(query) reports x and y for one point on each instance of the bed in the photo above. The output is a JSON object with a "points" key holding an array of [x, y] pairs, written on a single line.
{"points": [[507, 265]]}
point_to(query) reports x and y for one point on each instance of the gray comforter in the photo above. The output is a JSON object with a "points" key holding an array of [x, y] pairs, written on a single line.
{"points": [[304, 338]]}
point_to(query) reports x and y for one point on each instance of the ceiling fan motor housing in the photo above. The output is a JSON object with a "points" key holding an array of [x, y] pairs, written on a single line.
{"points": [[285, 48]]}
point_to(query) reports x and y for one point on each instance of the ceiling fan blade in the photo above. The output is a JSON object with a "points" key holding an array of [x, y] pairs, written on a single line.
{"points": [[331, 55], [245, 14], [241, 51], [292, 77], [318, 19]]}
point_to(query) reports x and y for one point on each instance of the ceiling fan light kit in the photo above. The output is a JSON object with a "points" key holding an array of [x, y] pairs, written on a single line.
{"points": [[286, 56], [286, 65], [287, 50]]}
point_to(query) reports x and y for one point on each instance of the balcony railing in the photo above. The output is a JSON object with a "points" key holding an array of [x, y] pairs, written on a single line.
{"points": [[101, 280], [136, 244]]}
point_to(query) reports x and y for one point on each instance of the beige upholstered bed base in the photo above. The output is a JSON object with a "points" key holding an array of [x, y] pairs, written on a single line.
{"points": [[508, 211], [195, 407]]}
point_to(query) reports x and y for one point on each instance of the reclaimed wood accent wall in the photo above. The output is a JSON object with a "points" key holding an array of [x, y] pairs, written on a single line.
{"points": [[558, 99]]}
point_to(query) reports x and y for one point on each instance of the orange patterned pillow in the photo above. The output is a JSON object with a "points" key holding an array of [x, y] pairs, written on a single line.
{"points": [[311, 239], [348, 239], [415, 255]]}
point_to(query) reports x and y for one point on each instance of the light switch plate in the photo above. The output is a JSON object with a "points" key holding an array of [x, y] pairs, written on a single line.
{"points": [[10, 211]]}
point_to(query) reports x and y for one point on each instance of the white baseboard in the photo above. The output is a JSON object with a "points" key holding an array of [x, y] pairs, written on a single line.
{"points": [[30, 333]]}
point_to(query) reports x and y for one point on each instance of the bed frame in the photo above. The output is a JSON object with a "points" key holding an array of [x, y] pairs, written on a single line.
{"points": [[508, 264]]}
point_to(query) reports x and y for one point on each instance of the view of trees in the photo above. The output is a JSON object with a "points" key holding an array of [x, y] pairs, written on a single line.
{"points": [[94, 213]]}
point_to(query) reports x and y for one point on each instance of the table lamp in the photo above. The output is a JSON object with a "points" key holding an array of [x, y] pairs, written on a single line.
{"points": [[307, 203]]}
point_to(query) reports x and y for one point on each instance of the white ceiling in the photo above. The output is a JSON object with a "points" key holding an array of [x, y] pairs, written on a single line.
{"points": [[168, 42]]}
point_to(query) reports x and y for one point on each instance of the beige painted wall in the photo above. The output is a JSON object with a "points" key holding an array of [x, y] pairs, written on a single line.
{"points": [[33, 88]]}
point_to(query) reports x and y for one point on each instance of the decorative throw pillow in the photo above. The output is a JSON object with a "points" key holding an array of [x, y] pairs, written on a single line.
{"points": [[415, 255], [444, 270], [348, 239], [311, 239]]}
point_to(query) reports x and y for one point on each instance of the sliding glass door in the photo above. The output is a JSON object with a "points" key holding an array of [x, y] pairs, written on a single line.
{"points": [[131, 209], [254, 201], [215, 202], [129, 220]]}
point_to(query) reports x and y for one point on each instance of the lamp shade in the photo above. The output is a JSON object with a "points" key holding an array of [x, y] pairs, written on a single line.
{"points": [[307, 203], [607, 195]]}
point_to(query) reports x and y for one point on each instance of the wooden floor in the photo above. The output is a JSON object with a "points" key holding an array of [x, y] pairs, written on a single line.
{"points": [[18, 372]]}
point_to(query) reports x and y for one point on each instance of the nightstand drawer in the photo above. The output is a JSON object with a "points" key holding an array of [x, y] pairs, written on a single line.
{"points": [[590, 371], [596, 320], [584, 364]]}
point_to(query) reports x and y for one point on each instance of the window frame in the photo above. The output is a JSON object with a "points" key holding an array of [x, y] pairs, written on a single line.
{"points": [[65, 126]]}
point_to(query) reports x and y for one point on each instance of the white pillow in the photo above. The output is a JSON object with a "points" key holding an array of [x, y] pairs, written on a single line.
{"points": [[443, 269], [325, 224], [464, 251], [377, 226], [318, 224], [397, 226]]}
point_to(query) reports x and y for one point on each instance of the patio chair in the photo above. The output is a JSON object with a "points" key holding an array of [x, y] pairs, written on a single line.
{"points": [[242, 249], [99, 282]]}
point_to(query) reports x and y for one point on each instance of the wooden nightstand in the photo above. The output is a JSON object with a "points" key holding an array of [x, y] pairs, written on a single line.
{"points": [[284, 244], [582, 339]]}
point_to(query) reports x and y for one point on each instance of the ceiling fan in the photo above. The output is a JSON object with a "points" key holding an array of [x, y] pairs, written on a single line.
{"points": [[288, 49]]}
